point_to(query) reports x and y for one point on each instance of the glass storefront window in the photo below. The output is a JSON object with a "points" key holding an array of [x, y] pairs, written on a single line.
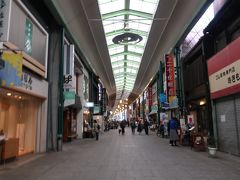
{"points": [[18, 119]]}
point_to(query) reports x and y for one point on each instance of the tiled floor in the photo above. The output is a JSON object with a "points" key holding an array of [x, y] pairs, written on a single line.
{"points": [[128, 157]]}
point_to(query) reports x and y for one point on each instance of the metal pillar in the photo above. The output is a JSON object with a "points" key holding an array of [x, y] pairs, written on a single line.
{"points": [[179, 84], [61, 97], [159, 90]]}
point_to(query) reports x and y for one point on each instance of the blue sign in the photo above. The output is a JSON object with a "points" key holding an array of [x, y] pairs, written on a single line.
{"points": [[163, 98]]}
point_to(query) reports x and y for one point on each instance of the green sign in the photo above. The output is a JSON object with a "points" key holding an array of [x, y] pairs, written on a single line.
{"points": [[96, 109], [69, 95], [154, 108], [28, 37]]}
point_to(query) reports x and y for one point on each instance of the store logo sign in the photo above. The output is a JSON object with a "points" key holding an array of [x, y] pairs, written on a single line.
{"points": [[28, 37], [4, 19]]}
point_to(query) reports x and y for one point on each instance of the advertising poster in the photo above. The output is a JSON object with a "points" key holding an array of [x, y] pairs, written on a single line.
{"points": [[190, 119], [11, 74]]}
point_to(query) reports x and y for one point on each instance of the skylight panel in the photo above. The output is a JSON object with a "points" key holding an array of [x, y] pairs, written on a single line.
{"points": [[117, 19], [116, 50], [131, 71], [117, 65], [136, 25], [135, 49], [139, 19], [144, 6], [134, 58], [131, 65], [117, 58], [117, 71], [107, 7], [113, 26]]}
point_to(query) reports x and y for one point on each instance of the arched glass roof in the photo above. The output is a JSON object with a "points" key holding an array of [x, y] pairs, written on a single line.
{"points": [[118, 17]]}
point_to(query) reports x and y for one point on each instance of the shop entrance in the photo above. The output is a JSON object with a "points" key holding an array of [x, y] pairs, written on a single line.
{"points": [[18, 120]]}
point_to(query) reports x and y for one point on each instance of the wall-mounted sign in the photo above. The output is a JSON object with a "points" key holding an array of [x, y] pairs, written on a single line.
{"points": [[103, 99], [190, 119], [68, 81], [96, 109], [28, 37], [224, 71], [5, 6], [69, 98], [11, 74], [27, 81], [170, 75], [89, 104], [150, 101]]}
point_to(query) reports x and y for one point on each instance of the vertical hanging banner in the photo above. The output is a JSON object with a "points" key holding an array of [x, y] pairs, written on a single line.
{"points": [[69, 77], [103, 99], [150, 102], [11, 74], [5, 10], [28, 37], [170, 76]]}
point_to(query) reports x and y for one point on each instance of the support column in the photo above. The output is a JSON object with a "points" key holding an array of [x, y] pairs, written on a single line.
{"points": [[159, 90], [179, 84], [61, 97]]}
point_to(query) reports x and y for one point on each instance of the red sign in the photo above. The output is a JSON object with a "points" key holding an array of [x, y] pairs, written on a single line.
{"points": [[150, 96], [224, 71], [170, 79]]}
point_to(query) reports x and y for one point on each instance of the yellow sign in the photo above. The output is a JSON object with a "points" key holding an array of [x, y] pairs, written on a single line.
{"points": [[11, 74]]}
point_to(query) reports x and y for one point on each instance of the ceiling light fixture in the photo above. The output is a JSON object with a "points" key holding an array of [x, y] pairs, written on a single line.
{"points": [[127, 38], [9, 94]]}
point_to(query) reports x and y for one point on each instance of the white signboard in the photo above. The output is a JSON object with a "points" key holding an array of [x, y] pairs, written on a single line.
{"points": [[223, 118], [69, 81], [226, 77], [5, 10], [89, 104]]}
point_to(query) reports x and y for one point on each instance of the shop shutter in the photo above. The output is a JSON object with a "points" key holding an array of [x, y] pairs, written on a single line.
{"points": [[226, 125], [238, 120]]}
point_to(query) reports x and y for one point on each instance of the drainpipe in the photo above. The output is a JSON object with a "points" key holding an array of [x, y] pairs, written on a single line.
{"points": [[61, 97]]}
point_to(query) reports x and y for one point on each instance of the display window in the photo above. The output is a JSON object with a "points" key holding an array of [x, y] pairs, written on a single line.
{"points": [[18, 119]]}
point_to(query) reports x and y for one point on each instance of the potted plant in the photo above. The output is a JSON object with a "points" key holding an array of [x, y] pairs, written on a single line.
{"points": [[212, 147]]}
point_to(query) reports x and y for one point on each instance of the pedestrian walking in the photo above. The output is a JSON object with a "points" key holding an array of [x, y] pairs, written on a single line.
{"points": [[146, 125], [173, 126], [133, 126], [122, 125], [96, 128], [139, 127]]}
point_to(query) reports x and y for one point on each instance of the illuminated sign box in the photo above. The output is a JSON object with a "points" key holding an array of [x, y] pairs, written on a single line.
{"points": [[89, 104]]}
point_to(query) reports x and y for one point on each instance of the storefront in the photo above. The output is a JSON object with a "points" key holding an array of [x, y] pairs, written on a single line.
{"points": [[23, 116], [196, 90], [23, 85], [224, 78]]}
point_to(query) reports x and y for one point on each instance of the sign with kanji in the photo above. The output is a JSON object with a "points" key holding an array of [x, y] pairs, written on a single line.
{"points": [[224, 71], [170, 75], [150, 102], [28, 37], [5, 6]]}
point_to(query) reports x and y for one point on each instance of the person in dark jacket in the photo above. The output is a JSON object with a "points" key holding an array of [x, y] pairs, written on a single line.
{"points": [[146, 124], [122, 125], [133, 126], [173, 126]]}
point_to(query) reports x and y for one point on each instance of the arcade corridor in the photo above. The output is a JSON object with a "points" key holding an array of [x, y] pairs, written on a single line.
{"points": [[129, 157]]}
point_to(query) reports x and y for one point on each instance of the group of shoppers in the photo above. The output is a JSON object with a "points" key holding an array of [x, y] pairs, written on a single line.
{"points": [[140, 125]]}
